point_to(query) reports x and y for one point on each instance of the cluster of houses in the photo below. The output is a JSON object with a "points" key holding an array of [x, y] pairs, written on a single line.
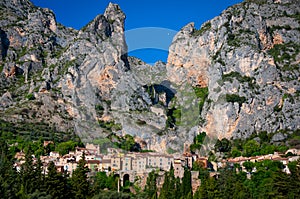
{"points": [[136, 166], [114, 160], [294, 156]]}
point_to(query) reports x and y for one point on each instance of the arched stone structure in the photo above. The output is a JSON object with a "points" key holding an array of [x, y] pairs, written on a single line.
{"points": [[126, 179]]}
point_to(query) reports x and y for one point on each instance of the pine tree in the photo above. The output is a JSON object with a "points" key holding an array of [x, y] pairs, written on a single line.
{"points": [[39, 175], [27, 174], [172, 186], [164, 192], [79, 180], [169, 189], [55, 183], [186, 186], [177, 188], [208, 189], [150, 188], [9, 184]]}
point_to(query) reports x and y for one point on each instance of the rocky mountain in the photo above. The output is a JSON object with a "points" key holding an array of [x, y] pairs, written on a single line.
{"points": [[248, 58], [237, 75]]}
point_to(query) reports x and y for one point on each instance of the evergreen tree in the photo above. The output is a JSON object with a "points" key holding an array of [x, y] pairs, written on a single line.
{"points": [[9, 184], [172, 181], [226, 182], [55, 183], [79, 180], [112, 182], [39, 175], [150, 188], [186, 186], [27, 174], [207, 190], [168, 189], [100, 181], [288, 185], [164, 192], [177, 192]]}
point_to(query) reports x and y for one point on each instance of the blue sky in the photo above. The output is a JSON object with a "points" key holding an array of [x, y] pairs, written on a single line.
{"points": [[150, 25]]}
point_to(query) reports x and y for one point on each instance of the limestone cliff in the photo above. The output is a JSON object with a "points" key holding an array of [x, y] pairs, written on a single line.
{"points": [[248, 57], [237, 75]]}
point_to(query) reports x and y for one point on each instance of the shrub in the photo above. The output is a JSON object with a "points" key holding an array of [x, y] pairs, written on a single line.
{"points": [[202, 94], [235, 98], [30, 96], [204, 28], [233, 40]]}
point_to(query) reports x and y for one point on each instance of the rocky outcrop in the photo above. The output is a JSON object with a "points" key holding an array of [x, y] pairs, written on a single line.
{"points": [[248, 57], [237, 75], [31, 43]]}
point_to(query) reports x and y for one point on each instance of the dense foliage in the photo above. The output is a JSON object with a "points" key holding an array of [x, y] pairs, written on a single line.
{"points": [[268, 181], [258, 144], [198, 141]]}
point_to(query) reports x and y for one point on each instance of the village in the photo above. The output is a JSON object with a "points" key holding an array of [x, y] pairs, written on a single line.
{"points": [[135, 166]]}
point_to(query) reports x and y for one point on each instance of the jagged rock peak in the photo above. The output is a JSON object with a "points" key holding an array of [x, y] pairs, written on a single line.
{"points": [[189, 28], [19, 7], [113, 9], [104, 24], [185, 32], [115, 16], [15, 3]]}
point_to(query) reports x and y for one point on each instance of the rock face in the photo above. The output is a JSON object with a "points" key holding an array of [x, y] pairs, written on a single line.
{"points": [[237, 75], [248, 57]]}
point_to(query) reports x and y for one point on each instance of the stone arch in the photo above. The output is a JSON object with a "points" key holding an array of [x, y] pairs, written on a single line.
{"points": [[116, 175], [126, 178]]}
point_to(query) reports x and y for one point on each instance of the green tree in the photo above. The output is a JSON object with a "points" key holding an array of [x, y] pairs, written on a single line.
{"points": [[9, 183], [178, 193], [198, 141], [249, 166], [240, 191], [251, 147], [79, 180], [55, 183], [64, 147], [112, 182], [230, 184], [50, 147], [39, 176], [223, 145], [207, 190], [267, 149], [128, 143], [287, 186], [27, 174], [235, 153], [186, 186], [169, 187], [100, 181], [203, 172], [150, 188], [164, 192], [264, 136]]}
